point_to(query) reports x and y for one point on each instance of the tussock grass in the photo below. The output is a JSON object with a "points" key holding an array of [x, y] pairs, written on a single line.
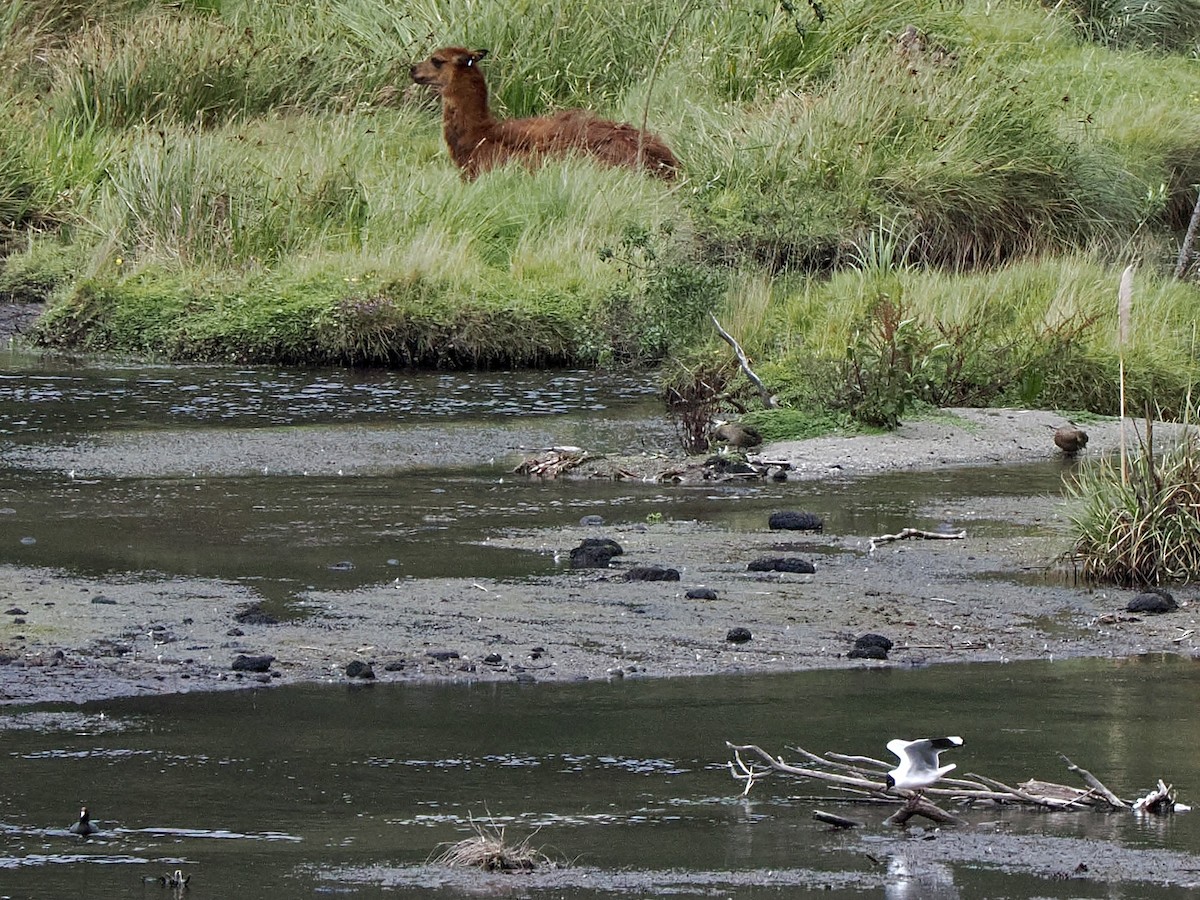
{"points": [[1139, 526]]}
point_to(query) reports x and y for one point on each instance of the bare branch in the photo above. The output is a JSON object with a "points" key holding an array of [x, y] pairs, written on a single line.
{"points": [[768, 401], [1095, 784]]}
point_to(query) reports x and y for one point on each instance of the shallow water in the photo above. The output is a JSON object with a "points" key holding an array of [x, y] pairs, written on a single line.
{"points": [[300, 791], [327, 790], [285, 533]]}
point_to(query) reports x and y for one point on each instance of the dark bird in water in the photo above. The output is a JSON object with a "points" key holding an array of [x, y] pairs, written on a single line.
{"points": [[735, 435], [84, 826], [1069, 439], [178, 880]]}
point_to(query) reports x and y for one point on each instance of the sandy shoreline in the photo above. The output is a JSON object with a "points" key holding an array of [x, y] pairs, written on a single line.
{"points": [[979, 599]]}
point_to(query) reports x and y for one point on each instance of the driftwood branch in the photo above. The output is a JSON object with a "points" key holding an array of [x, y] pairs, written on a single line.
{"points": [[835, 820], [768, 401], [860, 778], [905, 533], [1096, 785]]}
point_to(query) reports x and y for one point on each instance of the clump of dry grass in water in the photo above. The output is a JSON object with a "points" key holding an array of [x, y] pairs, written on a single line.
{"points": [[488, 850]]}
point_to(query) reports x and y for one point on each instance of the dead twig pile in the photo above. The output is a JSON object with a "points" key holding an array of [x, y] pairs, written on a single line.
{"points": [[860, 779], [553, 461], [489, 851]]}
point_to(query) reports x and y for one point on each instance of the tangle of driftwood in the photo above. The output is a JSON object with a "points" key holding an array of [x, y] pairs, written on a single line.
{"points": [[861, 779]]}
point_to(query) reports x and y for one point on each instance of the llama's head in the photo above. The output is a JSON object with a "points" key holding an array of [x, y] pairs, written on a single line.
{"points": [[444, 65]]}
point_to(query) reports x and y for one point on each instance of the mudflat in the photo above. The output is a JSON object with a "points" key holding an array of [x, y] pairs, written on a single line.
{"points": [[1000, 596]]}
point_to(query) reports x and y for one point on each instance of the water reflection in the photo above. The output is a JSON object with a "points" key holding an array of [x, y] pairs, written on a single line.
{"points": [[306, 789]]}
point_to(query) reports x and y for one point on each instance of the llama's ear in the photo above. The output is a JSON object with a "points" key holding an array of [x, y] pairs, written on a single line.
{"points": [[476, 56]]}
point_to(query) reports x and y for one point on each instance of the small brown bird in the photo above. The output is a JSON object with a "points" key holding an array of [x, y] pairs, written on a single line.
{"points": [[1069, 439], [735, 435]]}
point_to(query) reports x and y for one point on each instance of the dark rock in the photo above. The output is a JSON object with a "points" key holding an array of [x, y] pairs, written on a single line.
{"points": [[870, 651], [16, 611], [795, 521], [872, 640], [442, 655], [595, 553], [244, 663], [1152, 601], [738, 635], [343, 566], [729, 465], [359, 669], [255, 615], [493, 659], [702, 594], [396, 665], [591, 521], [101, 600], [651, 573], [234, 632], [782, 564]]}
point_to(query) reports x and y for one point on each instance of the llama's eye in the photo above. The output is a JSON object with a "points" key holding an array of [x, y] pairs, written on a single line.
{"points": [[437, 63]]}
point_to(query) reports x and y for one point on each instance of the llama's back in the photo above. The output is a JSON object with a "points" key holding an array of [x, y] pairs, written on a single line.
{"points": [[574, 130]]}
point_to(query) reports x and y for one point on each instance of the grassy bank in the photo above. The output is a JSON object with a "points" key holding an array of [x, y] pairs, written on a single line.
{"points": [[887, 203]]}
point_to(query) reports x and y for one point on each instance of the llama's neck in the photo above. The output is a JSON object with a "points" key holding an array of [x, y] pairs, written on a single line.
{"points": [[466, 118]]}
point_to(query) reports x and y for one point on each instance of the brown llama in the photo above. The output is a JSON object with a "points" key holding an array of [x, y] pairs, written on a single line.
{"points": [[479, 142]]}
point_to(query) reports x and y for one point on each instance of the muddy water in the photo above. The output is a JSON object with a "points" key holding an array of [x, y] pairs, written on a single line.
{"points": [[306, 791]]}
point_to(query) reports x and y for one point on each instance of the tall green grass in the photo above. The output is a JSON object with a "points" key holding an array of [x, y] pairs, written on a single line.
{"points": [[889, 203]]}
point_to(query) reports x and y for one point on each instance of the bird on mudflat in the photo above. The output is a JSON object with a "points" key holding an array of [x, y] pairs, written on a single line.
{"points": [[84, 826], [736, 435], [919, 767], [1070, 439]]}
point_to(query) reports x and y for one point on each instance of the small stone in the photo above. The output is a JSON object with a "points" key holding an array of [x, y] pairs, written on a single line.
{"points": [[738, 635], [343, 566], [493, 659], [1152, 601], [101, 600], [244, 663], [795, 521], [591, 521], [442, 655], [16, 611], [873, 640], [397, 665], [359, 669], [782, 564], [702, 594], [595, 553]]}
